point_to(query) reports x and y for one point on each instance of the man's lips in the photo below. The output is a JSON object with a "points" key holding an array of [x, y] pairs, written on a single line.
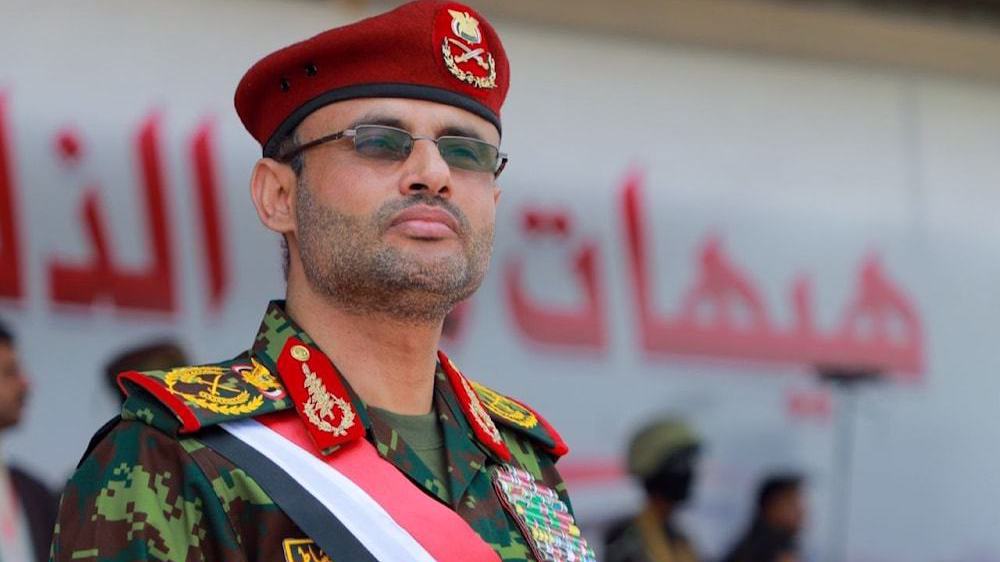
{"points": [[425, 222]]}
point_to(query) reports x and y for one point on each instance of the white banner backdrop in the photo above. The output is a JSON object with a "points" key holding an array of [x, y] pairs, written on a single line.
{"points": [[681, 230]]}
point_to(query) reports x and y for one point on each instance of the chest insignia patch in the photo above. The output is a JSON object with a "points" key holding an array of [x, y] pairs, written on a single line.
{"points": [[303, 550], [543, 518]]}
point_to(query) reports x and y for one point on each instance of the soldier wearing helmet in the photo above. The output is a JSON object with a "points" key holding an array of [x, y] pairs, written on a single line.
{"points": [[663, 457]]}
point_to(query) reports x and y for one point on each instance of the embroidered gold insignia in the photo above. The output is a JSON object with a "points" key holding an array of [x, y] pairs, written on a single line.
{"points": [[257, 375], [481, 417], [506, 408], [319, 407], [465, 26], [466, 36], [212, 388], [300, 353], [303, 550]]}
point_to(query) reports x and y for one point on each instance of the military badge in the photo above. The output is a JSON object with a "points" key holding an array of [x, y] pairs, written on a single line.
{"points": [[261, 379], [216, 389], [319, 407], [505, 408], [303, 550], [319, 395], [300, 353], [464, 50], [482, 425], [476, 408], [543, 518]]}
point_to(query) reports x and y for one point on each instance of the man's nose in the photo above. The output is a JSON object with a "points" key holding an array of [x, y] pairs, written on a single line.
{"points": [[426, 171]]}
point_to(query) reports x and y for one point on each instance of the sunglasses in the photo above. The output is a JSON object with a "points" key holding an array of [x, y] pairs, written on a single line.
{"points": [[381, 142]]}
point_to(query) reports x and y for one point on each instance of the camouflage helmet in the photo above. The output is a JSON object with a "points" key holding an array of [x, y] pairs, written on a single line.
{"points": [[659, 445]]}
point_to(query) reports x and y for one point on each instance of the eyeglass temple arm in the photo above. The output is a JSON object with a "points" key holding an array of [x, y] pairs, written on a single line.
{"points": [[288, 156], [503, 158]]}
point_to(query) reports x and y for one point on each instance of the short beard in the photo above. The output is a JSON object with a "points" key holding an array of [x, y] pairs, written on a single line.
{"points": [[346, 260]]}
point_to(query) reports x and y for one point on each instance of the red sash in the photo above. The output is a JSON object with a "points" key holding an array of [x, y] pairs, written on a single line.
{"points": [[438, 529]]}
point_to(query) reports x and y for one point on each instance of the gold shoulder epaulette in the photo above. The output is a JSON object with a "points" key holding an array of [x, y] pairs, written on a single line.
{"points": [[205, 395], [519, 416]]}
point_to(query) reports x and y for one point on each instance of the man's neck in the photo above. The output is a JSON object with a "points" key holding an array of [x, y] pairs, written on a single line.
{"points": [[663, 509], [389, 363]]}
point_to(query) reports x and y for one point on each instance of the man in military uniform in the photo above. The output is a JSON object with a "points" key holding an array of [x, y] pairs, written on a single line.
{"points": [[342, 434], [663, 456]]}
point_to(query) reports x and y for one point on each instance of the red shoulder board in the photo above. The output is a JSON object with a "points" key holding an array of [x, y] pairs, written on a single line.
{"points": [[210, 394], [519, 416]]}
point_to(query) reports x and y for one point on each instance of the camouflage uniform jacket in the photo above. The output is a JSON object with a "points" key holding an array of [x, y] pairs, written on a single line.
{"points": [[150, 490]]}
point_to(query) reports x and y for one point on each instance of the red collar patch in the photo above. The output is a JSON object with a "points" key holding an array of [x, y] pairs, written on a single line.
{"points": [[482, 425], [319, 395]]}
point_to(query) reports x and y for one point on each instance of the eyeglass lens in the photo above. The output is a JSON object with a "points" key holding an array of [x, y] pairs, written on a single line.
{"points": [[387, 143]]}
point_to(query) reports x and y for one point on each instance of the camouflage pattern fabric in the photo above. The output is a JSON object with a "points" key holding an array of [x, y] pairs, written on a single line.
{"points": [[148, 491]]}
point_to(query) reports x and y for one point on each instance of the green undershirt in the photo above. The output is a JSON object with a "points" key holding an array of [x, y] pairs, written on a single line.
{"points": [[423, 434]]}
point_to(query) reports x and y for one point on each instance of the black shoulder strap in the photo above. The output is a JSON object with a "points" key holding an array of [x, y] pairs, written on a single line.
{"points": [[301, 507]]}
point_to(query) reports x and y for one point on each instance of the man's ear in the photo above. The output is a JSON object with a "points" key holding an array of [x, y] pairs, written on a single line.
{"points": [[496, 194], [272, 187]]}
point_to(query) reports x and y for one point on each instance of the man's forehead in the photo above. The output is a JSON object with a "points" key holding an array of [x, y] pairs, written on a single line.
{"points": [[417, 116]]}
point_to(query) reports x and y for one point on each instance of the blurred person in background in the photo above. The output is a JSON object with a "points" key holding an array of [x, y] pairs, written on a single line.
{"points": [[343, 433], [27, 507], [663, 456], [154, 356], [777, 522]]}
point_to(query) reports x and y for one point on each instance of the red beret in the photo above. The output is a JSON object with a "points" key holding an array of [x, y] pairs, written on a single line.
{"points": [[429, 49]]}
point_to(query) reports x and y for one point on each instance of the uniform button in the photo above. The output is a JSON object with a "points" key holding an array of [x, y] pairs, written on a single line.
{"points": [[300, 352]]}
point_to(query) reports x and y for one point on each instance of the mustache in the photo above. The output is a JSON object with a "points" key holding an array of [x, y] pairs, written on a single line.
{"points": [[385, 214]]}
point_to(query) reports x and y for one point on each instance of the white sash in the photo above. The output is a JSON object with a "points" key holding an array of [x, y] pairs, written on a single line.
{"points": [[358, 511]]}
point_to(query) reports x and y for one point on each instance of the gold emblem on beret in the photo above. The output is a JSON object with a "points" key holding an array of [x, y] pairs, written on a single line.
{"points": [[465, 26], [505, 408], [467, 36], [300, 352]]}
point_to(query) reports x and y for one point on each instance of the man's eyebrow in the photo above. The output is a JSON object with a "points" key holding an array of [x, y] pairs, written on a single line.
{"points": [[459, 131], [378, 119]]}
